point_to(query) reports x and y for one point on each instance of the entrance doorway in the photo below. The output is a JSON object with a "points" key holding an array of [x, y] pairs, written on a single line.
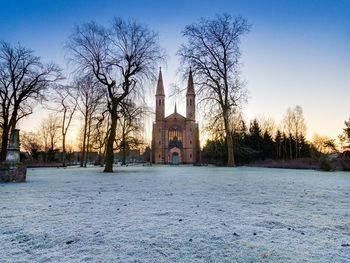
{"points": [[175, 158]]}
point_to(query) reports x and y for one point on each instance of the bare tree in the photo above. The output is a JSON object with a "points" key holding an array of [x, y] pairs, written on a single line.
{"points": [[267, 125], [65, 103], [299, 128], [288, 128], [99, 136], [23, 80], [121, 58], [213, 51], [49, 132], [324, 144], [90, 97], [30, 143], [295, 127], [344, 138], [131, 125]]}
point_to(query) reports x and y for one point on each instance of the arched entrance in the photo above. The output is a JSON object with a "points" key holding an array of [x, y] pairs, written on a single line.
{"points": [[175, 158]]}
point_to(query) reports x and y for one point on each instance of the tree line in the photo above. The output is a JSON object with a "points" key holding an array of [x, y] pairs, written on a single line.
{"points": [[262, 139], [112, 66]]}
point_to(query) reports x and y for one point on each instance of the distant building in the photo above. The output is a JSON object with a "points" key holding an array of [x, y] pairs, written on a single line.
{"points": [[175, 138]]}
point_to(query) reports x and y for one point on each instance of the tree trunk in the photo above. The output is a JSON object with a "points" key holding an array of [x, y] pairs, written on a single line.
{"points": [[123, 152], [109, 147], [87, 151], [63, 150], [230, 157], [4, 142], [285, 152], [82, 159]]}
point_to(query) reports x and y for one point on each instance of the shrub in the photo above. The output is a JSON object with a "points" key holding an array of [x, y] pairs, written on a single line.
{"points": [[345, 164], [325, 165]]}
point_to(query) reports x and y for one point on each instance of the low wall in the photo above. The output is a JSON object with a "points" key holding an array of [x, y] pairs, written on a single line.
{"points": [[16, 174]]}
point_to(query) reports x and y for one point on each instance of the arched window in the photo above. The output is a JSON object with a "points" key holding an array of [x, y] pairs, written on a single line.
{"points": [[190, 142], [190, 156], [160, 102], [190, 101]]}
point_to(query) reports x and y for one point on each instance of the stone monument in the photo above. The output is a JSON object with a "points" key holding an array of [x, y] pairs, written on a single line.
{"points": [[12, 170]]}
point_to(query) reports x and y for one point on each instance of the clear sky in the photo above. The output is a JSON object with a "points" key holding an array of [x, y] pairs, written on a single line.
{"points": [[297, 53]]}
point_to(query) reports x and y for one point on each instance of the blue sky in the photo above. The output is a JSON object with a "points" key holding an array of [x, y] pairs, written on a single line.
{"points": [[298, 52]]}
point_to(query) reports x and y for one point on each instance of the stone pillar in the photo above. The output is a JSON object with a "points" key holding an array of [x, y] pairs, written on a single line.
{"points": [[13, 151], [12, 170]]}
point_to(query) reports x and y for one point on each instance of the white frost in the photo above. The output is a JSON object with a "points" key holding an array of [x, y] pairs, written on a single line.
{"points": [[176, 214]]}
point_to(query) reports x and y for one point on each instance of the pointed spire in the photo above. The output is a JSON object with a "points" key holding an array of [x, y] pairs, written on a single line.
{"points": [[175, 110], [160, 86], [190, 86]]}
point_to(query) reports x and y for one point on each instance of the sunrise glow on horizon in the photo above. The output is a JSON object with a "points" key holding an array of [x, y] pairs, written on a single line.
{"points": [[297, 52]]}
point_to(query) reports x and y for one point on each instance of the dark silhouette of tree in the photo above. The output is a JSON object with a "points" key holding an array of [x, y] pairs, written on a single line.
{"points": [[90, 97], [279, 145], [64, 103], [268, 146], [213, 52], [255, 139], [30, 142], [49, 133], [129, 134], [255, 144], [295, 127], [345, 137], [23, 81], [121, 58]]}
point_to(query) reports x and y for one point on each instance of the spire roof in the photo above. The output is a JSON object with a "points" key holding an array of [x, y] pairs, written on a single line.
{"points": [[160, 86], [190, 86], [175, 110]]}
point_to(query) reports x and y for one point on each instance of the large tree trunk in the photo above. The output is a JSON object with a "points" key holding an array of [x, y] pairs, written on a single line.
{"points": [[109, 147], [82, 159], [63, 150], [87, 151], [4, 142], [230, 156], [124, 152]]}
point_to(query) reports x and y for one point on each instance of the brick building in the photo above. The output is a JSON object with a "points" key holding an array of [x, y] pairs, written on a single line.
{"points": [[175, 138]]}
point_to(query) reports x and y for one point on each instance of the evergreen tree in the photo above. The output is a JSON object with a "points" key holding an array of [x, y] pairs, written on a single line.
{"points": [[345, 137], [278, 144], [268, 146]]}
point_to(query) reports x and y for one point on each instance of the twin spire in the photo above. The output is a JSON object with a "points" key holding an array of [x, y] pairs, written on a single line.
{"points": [[190, 87], [160, 85], [160, 88]]}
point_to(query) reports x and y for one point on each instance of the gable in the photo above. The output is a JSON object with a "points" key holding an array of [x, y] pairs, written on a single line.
{"points": [[175, 116]]}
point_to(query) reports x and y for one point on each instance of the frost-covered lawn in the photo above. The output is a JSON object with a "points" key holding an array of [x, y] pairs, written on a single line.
{"points": [[176, 214]]}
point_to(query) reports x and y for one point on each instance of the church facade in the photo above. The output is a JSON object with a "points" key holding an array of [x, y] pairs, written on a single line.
{"points": [[175, 138]]}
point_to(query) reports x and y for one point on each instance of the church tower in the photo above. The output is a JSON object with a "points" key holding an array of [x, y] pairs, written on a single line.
{"points": [[175, 138], [160, 108], [190, 99]]}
